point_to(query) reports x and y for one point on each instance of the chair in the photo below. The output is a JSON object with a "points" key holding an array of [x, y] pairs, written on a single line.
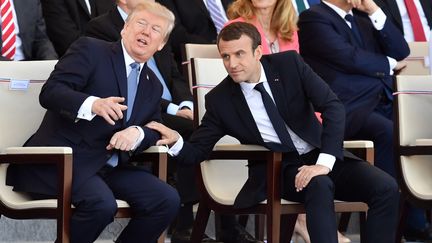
{"points": [[419, 52], [20, 84], [221, 178], [413, 140], [196, 50]]}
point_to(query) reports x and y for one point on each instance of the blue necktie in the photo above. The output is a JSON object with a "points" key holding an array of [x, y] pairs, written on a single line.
{"points": [[300, 6], [277, 122], [215, 14], [132, 84], [354, 29]]}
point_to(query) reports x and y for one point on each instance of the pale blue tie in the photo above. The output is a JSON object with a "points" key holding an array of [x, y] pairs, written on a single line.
{"points": [[215, 14], [132, 84]]}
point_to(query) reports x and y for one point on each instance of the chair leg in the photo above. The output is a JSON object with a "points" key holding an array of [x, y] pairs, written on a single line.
{"points": [[362, 216], [273, 226], [200, 223], [403, 209], [287, 227], [343, 221], [259, 226]]}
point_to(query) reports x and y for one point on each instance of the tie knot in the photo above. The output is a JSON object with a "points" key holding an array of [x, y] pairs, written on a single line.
{"points": [[349, 18], [134, 65], [260, 87]]}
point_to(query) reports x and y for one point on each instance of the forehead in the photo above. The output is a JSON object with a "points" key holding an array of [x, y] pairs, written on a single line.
{"points": [[244, 43], [149, 17]]}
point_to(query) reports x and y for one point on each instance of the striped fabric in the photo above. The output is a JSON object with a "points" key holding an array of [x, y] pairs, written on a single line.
{"points": [[215, 14], [7, 30]]}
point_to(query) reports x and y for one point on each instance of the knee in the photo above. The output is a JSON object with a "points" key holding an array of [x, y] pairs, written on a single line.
{"points": [[101, 209], [387, 188], [321, 187], [170, 200]]}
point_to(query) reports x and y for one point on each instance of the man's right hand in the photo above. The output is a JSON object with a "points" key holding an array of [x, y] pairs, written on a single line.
{"points": [[109, 108], [168, 136]]}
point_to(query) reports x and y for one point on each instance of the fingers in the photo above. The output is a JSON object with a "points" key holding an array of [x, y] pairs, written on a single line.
{"points": [[303, 178], [124, 140], [109, 108]]}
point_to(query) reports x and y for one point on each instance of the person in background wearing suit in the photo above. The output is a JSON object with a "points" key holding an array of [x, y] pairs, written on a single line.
{"points": [[355, 48], [177, 108], [23, 34], [98, 99], [194, 23], [66, 19], [283, 93], [405, 13]]}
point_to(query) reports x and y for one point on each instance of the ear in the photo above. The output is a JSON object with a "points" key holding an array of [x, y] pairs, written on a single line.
{"points": [[258, 52]]}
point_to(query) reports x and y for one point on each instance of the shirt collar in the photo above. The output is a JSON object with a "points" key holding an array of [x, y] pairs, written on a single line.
{"points": [[127, 58], [338, 10], [123, 14], [248, 87]]}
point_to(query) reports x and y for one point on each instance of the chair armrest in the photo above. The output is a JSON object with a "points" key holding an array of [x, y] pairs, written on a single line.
{"points": [[239, 147], [358, 144], [38, 150], [156, 149], [423, 142]]}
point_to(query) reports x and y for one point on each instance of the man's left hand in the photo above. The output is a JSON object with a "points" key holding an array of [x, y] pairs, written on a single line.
{"points": [[185, 113], [306, 173], [124, 140]]}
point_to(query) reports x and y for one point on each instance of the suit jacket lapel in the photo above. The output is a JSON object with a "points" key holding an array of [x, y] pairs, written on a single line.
{"points": [[243, 110], [277, 89], [120, 71], [83, 5], [201, 5], [226, 3]]}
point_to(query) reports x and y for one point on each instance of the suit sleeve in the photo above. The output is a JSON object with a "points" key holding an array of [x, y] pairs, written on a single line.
{"points": [[62, 91], [204, 137], [320, 39]]}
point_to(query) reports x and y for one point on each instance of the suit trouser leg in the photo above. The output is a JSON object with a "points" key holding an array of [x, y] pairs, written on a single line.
{"points": [[95, 207], [154, 203], [360, 181], [318, 200]]}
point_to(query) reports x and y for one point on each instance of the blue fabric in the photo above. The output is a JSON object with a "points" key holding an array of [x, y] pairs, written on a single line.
{"points": [[151, 63], [312, 2], [132, 84]]}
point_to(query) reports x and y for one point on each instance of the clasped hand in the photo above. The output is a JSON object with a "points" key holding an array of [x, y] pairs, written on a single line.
{"points": [[306, 173], [168, 136]]}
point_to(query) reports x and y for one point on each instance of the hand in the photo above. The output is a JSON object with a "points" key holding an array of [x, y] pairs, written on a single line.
{"points": [[185, 113], [124, 140], [169, 136], [109, 108], [399, 66], [367, 6], [306, 173]]}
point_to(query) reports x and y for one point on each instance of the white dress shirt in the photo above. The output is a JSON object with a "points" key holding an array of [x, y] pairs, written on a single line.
{"points": [[406, 22]]}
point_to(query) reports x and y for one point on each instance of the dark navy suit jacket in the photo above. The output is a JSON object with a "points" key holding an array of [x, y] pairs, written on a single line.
{"points": [[358, 75], [298, 92], [90, 67]]}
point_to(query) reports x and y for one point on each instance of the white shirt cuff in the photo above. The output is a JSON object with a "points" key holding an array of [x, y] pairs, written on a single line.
{"points": [[175, 149], [186, 103], [172, 109], [392, 64], [85, 111], [140, 138], [326, 160], [378, 19]]}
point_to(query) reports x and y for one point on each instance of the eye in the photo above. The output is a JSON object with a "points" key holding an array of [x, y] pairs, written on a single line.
{"points": [[157, 29], [225, 57]]}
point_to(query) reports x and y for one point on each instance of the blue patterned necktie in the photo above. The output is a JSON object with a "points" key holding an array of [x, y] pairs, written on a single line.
{"points": [[215, 14], [354, 29], [277, 122], [132, 84]]}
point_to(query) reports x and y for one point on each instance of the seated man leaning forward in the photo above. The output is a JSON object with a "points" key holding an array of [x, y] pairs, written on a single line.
{"points": [[283, 93], [98, 99]]}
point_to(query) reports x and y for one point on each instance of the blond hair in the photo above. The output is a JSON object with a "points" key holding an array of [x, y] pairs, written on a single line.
{"points": [[283, 21], [156, 9]]}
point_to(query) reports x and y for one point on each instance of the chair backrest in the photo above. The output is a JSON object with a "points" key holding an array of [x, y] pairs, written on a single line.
{"points": [[197, 50], [20, 85], [417, 59], [413, 130], [223, 178]]}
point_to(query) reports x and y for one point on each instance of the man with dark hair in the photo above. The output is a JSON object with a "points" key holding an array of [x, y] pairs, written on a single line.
{"points": [[284, 93]]}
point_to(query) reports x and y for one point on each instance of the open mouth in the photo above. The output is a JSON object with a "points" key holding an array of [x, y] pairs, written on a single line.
{"points": [[142, 42]]}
